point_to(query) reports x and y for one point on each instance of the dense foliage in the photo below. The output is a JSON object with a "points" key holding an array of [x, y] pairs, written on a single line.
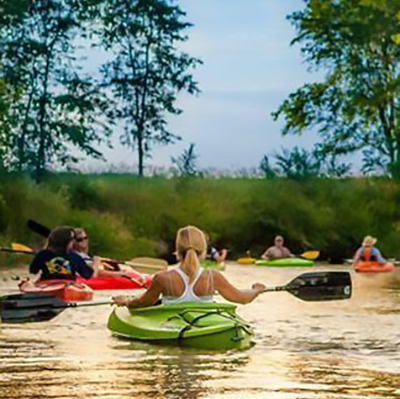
{"points": [[147, 71], [356, 106], [52, 110], [127, 216]]}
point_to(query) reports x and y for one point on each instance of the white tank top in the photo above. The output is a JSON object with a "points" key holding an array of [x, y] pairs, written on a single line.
{"points": [[188, 292]]}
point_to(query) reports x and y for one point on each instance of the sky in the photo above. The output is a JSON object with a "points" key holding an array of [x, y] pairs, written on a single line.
{"points": [[249, 69]]}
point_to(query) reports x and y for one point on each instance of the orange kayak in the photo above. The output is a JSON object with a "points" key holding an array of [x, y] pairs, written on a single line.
{"points": [[66, 290], [373, 267]]}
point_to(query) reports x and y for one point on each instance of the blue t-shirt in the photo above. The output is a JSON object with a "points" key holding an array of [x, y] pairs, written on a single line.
{"points": [[55, 266]]}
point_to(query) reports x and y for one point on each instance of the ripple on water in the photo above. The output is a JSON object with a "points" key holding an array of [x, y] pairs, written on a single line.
{"points": [[337, 350]]}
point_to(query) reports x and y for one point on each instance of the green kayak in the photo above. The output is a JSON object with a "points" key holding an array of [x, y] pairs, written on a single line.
{"points": [[286, 262], [198, 325]]}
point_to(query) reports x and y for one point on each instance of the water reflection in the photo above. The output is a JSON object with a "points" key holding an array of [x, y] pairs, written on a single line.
{"points": [[335, 350], [340, 377], [174, 372]]}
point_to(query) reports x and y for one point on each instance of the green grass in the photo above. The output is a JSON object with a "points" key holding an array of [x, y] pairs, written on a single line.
{"points": [[127, 216]]}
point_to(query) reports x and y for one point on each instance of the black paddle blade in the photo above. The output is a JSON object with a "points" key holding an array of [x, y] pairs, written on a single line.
{"points": [[321, 286], [38, 228], [24, 308]]}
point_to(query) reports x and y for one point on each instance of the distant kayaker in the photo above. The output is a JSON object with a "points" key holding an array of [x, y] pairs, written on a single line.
{"points": [[368, 253], [213, 253], [277, 251], [189, 282], [58, 261]]}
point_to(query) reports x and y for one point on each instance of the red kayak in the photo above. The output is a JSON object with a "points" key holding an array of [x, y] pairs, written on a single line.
{"points": [[374, 267], [118, 283], [66, 290]]}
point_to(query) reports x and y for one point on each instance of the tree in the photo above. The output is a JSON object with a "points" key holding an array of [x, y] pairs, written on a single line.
{"points": [[10, 13], [266, 167], [186, 163], [4, 125], [53, 108], [147, 71], [299, 163], [356, 107]]}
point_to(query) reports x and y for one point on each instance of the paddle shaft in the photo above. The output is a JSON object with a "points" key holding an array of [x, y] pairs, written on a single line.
{"points": [[83, 304], [17, 251], [277, 288], [32, 252]]}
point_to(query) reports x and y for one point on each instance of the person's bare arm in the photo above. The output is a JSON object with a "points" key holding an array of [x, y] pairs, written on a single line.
{"points": [[287, 253], [221, 256], [95, 265], [357, 256], [232, 294], [267, 254], [114, 274], [149, 298]]}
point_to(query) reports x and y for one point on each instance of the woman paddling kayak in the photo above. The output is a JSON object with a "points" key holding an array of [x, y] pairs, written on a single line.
{"points": [[189, 282], [81, 247], [107, 279], [59, 261], [368, 252], [368, 258]]}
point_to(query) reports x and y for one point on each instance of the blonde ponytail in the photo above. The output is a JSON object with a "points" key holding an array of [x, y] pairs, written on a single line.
{"points": [[191, 246], [190, 263]]}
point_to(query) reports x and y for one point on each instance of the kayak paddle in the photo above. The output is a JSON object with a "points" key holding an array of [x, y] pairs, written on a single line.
{"points": [[318, 286], [17, 251], [29, 251], [38, 228], [147, 263], [31, 307], [310, 255]]}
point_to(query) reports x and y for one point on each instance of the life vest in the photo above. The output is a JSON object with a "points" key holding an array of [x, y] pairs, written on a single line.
{"points": [[367, 254]]}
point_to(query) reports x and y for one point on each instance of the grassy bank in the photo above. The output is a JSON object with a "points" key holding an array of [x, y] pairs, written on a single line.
{"points": [[126, 216]]}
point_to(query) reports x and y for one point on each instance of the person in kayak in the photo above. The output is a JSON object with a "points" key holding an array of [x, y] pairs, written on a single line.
{"points": [[189, 282], [213, 253], [277, 251], [58, 261], [81, 248], [368, 252]]}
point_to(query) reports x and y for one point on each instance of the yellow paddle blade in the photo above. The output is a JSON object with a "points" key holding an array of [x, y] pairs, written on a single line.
{"points": [[246, 261], [311, 255], [20, 247]]}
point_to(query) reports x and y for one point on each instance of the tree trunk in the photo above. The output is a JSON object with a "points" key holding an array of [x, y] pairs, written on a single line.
{"points": [[41, 157], [140, 153]]}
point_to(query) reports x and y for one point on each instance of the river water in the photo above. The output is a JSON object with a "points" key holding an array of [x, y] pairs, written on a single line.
{"points": [[320, 350]]}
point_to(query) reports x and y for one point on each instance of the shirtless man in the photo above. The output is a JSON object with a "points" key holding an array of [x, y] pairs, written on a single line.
{"points": [[278, 251]]}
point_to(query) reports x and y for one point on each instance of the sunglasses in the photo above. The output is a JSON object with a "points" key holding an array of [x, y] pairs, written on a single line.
{"points": [[80, 239]]}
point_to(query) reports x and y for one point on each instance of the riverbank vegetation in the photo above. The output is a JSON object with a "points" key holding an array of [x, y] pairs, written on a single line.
{"points": [[127, 216]]}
